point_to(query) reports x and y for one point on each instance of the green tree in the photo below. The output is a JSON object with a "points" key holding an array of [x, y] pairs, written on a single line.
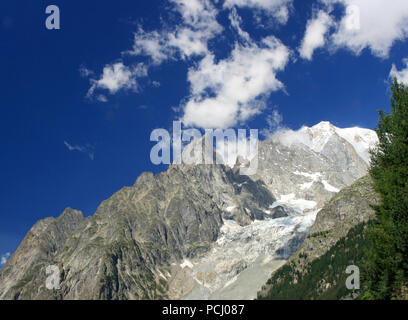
{"points": [[386, 268]]}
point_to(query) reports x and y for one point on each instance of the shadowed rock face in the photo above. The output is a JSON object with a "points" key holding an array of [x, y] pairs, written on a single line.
{"points": [[39, 246], [190, 230], [118, 252]]}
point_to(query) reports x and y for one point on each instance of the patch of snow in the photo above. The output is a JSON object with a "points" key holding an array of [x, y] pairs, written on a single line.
{"points": [[228, 226], [361, 140], [329, 187], [186, 263], [318, 135], [297, 204], [231, 281], [314, 176], [161, 275], [306, 185], [287, 197], [230, 208], [303, 204], [198, 281]]}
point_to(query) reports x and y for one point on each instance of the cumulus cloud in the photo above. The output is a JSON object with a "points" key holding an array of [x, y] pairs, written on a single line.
{"points": [[289, 137], [279, 9], [198, 14], [152, 44], [4, 258], [223, 92], [116, 77], [401, 75], [186, 40], [88, 149], [190, 38], [316, 31], [227, 92], [373, 24]]}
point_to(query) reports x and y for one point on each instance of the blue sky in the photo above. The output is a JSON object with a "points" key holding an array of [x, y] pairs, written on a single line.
{"points": [[78, 104]]}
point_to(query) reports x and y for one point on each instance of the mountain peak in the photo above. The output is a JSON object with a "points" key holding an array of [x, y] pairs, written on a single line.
{"points": [[317, 136], [224, 223], [145, 178], [324, 125], [69, 212]]}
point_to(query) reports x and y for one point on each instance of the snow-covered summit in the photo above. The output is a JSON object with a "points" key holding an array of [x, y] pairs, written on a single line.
{"points": [[361, 139], [316, 137]]}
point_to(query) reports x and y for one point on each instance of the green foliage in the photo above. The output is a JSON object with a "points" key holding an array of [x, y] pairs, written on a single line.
{"points": [[386, 269], [325, 277], [319, 234]]}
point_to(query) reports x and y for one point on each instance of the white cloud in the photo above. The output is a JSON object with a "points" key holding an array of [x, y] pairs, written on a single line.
{"points": [[273, 121], [190, 38], [186, 40], [4, 258], [102, 98], [373, 24], [277, 8], [117, 76], [189, 42], [288, 137], [199, 14], [401, 75], [84, 149], [152, 44], [227, 92], [236, 22], [315, 34], [223, 92], [85, 72]]}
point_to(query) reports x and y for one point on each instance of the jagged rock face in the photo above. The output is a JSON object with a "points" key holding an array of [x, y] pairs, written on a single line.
{"points": [[38, 247], [194, 231], [314, 163], [117, 252]]}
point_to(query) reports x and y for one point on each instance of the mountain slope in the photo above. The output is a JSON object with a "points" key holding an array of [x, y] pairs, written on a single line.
{"points": [[118, 252], [314, 163], [317, 269], [194, 231]]}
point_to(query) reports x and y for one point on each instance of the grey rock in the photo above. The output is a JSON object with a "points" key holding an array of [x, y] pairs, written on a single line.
{"points": [[194, 229]]}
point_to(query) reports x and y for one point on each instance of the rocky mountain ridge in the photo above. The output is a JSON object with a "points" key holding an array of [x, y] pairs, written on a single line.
{"points": [[194, 231]]}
